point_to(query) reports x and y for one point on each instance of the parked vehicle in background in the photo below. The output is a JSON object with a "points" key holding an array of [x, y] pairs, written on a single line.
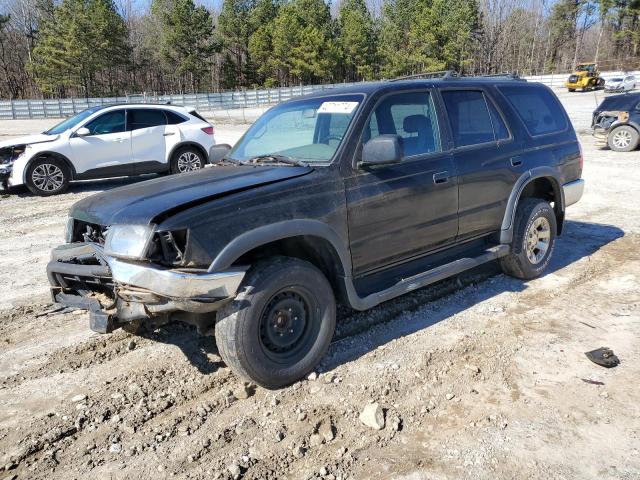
{"points": [[585, 77], [354, 196], [616, 122], [624, 83], [107, 141]]}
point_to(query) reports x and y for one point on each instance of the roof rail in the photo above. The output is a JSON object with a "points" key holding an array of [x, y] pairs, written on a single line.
{"points": [[444, 74]]}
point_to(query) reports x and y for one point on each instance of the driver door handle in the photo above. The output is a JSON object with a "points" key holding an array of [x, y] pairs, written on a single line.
{"points": [[440, 177]]}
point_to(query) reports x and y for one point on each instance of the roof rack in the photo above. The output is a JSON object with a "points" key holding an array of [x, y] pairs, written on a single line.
{"points": [[450, 75], [444, 74]]}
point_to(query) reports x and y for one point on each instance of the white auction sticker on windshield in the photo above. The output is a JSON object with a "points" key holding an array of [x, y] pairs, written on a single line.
{"points": [[337, 107]]}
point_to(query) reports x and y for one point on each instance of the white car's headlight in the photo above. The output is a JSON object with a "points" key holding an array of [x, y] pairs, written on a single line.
{"points": [[128, 241]]}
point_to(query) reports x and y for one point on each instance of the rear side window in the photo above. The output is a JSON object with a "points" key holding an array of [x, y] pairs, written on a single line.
{"points": [[173, 118], [469, 117], [537, 107], [499, 128], [142, 118], [197, 115]]}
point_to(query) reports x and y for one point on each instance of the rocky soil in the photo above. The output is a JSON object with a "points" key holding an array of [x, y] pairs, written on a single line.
{"points": [[481, 376]]}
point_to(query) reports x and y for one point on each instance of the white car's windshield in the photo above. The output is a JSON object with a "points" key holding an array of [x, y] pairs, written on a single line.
{"points": [[306, 131], [72, 122], [616, 79]]}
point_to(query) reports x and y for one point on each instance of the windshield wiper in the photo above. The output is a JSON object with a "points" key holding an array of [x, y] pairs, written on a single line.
{"points": [[274, 158]]}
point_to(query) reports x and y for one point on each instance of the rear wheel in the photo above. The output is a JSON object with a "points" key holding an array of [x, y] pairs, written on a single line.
{"points": [[48, 176], [571, 89], [280, 325], [623, 139], [187, 159], [534, 237]]}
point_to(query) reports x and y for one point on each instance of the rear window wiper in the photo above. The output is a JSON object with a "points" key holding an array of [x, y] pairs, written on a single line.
{"points": [[274, 158]]}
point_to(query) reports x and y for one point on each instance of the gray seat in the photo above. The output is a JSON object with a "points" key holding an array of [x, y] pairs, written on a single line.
{"points": [[423, 142]]}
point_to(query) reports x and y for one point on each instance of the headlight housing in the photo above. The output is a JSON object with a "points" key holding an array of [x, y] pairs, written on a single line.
{"points": [[128, 241], [68, 230]]}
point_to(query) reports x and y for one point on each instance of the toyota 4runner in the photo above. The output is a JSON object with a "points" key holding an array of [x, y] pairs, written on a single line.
{"points": [[354, 196]]}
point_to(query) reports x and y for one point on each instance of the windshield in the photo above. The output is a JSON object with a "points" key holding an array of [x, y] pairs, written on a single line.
{"points": [[308, 131], [585, 68], [72, 122], [616, 79]]}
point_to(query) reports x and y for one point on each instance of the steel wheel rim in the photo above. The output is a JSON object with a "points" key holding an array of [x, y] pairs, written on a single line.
{"points": [[622, 139], [289, 325], [47, 177], [537, 240], [188, 162]]}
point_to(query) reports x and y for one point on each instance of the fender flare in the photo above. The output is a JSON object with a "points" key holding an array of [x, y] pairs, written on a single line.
{"points": [[48, 153], [187, 143], [278, 231], [506, 230]]}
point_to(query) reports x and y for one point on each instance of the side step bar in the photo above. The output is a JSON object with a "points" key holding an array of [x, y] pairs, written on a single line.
{"points": [[423, 279]]}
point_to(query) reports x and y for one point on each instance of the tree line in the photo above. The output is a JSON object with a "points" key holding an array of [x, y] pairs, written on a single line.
{"points": [[60, 48]]}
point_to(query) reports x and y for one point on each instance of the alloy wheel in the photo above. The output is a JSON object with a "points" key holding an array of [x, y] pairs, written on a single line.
{"points": [[188, 162], [622, 139], [538, 239], [47, 177]]}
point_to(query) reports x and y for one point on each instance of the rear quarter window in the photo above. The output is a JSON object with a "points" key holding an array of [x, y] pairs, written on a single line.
{"points": [[537, 107]]}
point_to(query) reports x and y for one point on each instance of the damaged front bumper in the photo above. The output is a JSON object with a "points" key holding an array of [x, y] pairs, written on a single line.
{"points": [[117, 292]]}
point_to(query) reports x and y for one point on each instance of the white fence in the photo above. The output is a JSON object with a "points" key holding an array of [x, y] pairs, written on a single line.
{"points": [[205, 102]]}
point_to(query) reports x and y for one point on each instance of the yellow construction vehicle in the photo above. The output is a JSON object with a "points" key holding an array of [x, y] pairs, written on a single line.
{"points": [[585, 77]]}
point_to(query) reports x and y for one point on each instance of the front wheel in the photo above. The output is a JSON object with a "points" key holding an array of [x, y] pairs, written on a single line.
{"points": [[623, 139], [534, 237], [280, 325], [48, 176], [187, 159]]}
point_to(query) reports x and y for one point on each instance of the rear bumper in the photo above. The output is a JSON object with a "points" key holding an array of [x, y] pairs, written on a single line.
{"points": [[116, 292], [573, 192]]}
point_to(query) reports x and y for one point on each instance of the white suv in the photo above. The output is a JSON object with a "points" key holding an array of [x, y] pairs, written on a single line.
{"points": [[108, 141], [620, 84]]}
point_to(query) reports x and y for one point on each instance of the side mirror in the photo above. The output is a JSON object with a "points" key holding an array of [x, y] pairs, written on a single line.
{"points": [[382, 150], [83, 132], [218, 152]]}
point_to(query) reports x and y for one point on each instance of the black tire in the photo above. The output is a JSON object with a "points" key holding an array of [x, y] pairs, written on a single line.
{"points": [[260, 335], [187, 159], [518, 263], [624, 138], [48, 176], [571, 89]]}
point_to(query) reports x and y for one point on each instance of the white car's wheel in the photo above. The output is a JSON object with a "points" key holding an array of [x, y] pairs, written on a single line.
{"points": [[48, 176], [186, 159], [623, 139]]}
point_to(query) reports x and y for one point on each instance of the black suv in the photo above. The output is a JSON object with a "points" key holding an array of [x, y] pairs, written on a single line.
{"points": [[353, 196]]}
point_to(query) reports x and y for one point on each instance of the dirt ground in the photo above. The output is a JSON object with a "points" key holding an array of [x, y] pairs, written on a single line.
{"points": [[480, 377]]}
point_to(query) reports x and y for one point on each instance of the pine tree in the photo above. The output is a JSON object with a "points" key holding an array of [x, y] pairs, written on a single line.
{"points": [[262, 23], [187, 41], [82, 39], [233, 33], [397, 18], [356, 40], [303, 42]]}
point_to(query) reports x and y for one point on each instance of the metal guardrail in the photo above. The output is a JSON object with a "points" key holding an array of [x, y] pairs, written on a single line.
{"points": [[206, 102], [60, 108]]}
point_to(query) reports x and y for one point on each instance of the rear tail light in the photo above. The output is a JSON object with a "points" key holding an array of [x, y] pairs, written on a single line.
{"points": [[581, 155], [208, 130]]}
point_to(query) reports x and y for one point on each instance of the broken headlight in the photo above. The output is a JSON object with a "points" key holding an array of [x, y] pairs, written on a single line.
{"points": [[128, 241]]}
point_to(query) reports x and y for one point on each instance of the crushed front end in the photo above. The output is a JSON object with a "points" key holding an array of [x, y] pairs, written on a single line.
{"points": [[603, 122], [108, 272]]}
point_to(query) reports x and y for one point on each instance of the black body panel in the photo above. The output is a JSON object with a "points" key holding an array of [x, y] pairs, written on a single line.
{"points": [[380, 224]]}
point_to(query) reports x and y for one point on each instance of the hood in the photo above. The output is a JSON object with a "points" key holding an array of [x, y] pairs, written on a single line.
{"points": [[29, 140], [153, 200]]}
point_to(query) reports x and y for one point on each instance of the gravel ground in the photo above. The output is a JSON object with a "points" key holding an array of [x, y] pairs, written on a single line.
{"points": [[480, 377]]}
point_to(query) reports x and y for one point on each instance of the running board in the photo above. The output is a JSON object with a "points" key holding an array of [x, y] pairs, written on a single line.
{"points": [[423, 279]]}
